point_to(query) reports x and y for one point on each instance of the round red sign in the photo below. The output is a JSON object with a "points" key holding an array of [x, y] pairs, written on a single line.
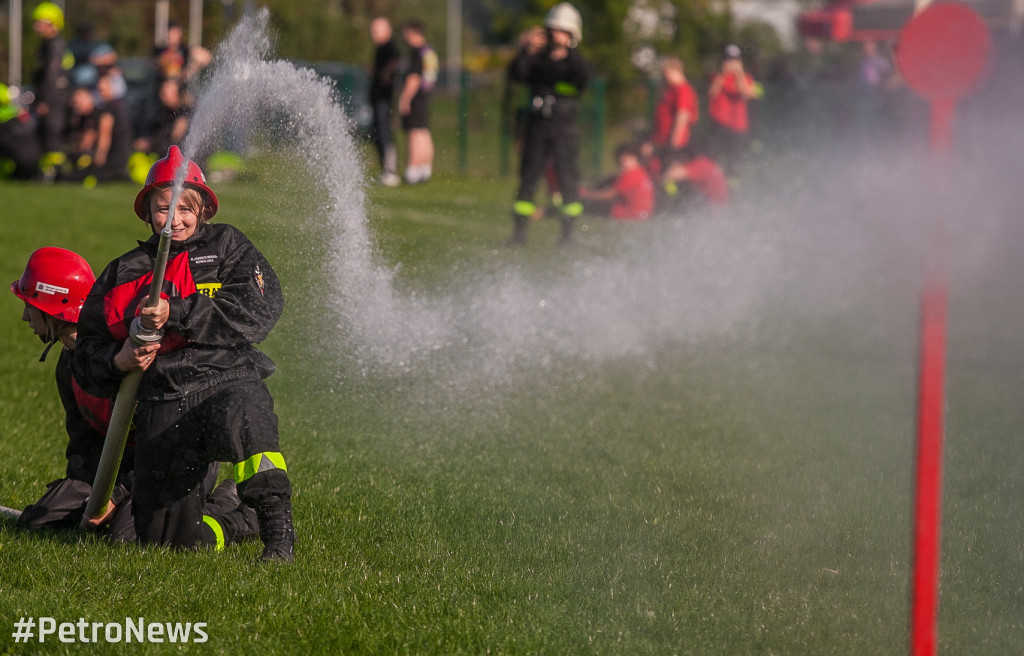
{"points": [[943, 51]]}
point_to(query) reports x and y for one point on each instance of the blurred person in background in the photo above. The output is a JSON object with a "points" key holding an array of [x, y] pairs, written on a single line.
{"points": [[100, 135], [83, 42], [676, 112], [386, 61], [169, 124], [556, 76], [516, 110], [414, 101], [50, 82], [106, 61], [731, 89], [698, 178], [175, 60], [629, 195], [19, 141]]}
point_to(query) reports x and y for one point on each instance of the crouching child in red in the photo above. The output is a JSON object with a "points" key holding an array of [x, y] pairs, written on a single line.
{"points": [[629, 196]]}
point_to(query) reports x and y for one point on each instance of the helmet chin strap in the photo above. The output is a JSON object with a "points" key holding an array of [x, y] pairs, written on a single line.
{"points": [[49, 345], [65, 334]]}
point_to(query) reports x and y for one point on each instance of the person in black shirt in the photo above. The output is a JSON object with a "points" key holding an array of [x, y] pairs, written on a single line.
{"points": [[414, 101], [169, 122], [382, 90], [100, 134], [50, 79]]}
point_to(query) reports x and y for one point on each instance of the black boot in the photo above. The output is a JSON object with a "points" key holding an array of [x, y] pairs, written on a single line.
{"points": [[277, 531], [518, 237], [240, 525], [223, 528], [565, 237], [223, 499]]}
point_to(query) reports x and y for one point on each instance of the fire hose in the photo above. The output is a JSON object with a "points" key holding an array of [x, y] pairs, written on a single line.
{"points": [[127, 393]]}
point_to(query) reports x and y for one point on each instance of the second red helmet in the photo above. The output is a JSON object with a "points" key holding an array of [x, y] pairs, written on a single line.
{"points": [[55, 281]]}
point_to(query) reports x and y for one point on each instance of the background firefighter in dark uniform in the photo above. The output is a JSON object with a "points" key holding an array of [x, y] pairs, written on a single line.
{"points": [[556, 77], [19, 141], [50, 80], [203, 400]]}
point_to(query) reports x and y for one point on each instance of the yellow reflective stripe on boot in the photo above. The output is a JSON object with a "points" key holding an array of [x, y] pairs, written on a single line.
{"points": [[260, 462], [523, 208], [218, 532], [571, 209]]}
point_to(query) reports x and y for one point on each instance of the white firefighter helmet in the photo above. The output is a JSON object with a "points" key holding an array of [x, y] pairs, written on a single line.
{"points": [[566, 18]]}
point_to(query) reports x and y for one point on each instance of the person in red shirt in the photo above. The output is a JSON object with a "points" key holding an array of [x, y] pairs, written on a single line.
{"points": [[704, 175], [677, 111], [630, 197], [731, 88]]}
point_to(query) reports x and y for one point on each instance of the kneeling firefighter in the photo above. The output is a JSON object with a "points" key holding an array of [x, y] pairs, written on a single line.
{"points": [[202, 398]]}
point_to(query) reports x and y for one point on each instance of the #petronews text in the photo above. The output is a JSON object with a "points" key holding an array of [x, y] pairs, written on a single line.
{"points": [[131, 630]]}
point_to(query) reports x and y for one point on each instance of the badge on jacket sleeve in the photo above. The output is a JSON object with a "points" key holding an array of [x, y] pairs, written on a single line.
{"points": [[259, 280]]}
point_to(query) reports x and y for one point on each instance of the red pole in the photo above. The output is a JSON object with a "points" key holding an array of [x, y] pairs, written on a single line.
{"points": [[943, 112], [943, 54], [928, 500], [930, 415]]}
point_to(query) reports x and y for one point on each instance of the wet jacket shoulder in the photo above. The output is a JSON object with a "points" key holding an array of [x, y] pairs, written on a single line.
{"points": [[224, 298]]}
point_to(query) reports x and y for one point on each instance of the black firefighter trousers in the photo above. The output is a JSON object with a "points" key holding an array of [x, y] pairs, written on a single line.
{"points": [[175, 443], [550, 141]]}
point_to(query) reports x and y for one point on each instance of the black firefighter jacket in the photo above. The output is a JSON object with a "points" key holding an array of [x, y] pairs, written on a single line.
{"points": [[224, 298]]}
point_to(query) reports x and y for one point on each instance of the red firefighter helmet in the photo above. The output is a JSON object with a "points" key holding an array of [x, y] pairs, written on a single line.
{"points": [[163, 172], [56, 281]]}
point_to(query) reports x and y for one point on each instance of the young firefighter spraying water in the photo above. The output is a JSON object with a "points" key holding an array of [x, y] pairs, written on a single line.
{"points": [[556, 76], [54, 286], [202, 399]]}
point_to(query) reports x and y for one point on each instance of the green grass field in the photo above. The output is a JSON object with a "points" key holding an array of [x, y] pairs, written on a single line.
{"points": [[747, 491]]}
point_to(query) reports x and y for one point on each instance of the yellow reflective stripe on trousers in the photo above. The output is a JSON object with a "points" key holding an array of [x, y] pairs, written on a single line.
{"points": [[564, 88], [524, 208], [260, 462], [571, 209], [218, 532]]}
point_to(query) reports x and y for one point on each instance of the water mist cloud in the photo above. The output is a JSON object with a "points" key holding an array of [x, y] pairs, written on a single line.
{"points": [[808, 244]]}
